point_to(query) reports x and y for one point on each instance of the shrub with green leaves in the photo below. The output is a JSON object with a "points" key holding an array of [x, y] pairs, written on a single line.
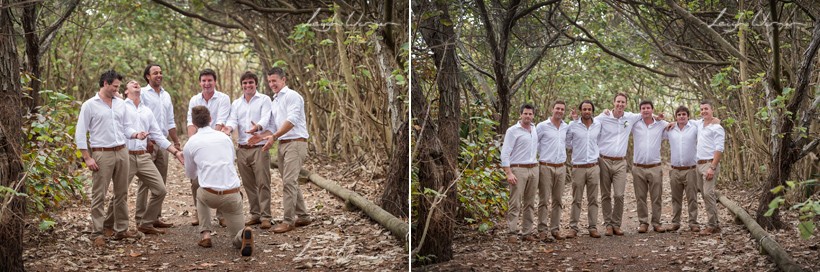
{"points": [[50, 157], [808, 210]]}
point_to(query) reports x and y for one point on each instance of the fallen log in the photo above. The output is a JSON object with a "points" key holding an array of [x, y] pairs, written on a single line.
{"points": [[396, 226], [781, 258]]}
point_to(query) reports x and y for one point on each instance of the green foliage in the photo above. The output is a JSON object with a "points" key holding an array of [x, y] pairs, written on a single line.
{"points": [[808, 209], [50, 157], [481, 190]]}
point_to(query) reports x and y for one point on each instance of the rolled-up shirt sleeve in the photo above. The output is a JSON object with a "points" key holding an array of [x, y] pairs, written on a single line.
{"points": [[191, 105], [81, 130], [295, 110], [155, 134], [190, 164], [224, 111], [169, 113], [507, 148], [720, 138]]}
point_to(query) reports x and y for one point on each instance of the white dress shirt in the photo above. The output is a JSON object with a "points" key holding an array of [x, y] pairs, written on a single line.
{"points": [[552, 142], [646, 140], [584, 141], [209, 156], [106, 126], [244, 112], [615, 133], [710, 139], [682, 144], [219, 105], [289, 106], [142, 119], [520, 145], [161, 105]]}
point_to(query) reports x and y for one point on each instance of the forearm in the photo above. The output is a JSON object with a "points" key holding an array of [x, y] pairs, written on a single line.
{"points": [[286, 126], [173, 133], [86, 155], [716, 159]]}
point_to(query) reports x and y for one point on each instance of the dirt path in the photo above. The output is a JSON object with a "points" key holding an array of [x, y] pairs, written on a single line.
{"points": [[732, 250], [337, 240]]}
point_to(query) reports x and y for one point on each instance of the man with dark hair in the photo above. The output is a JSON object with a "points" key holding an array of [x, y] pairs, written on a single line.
{"points": [[209, 157], [683, 139], [711, 137], [254, 163], [582, 138], [141, 164], [518, 159], [290, 125], [647, 173], [613, 144], [552, 157], [219, 106], [102, 117], [156, 98]]}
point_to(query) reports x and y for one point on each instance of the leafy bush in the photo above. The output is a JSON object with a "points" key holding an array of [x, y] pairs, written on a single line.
{"points": [[808, 209], [50, 157], [481, 189]]}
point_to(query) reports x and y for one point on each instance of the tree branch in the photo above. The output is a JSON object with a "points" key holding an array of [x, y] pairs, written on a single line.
{"points": [[50, 32], [195, 15], [282, 10], [524, 12], [705, 28]]}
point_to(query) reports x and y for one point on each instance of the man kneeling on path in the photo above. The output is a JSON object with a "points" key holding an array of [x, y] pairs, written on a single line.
{"points": [[209, 157]]}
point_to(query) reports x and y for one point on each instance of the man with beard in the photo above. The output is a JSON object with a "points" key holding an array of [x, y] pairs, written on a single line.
{"points": [[582, 138]]}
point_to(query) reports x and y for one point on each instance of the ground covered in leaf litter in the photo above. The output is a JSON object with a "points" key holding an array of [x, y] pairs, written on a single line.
{"points": [[337, 240], [733, 250]]}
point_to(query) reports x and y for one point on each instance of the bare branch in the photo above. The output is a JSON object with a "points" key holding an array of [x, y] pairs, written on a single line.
{"points": [[282, 10], [195, 15], [51, 31], [708, 30]]}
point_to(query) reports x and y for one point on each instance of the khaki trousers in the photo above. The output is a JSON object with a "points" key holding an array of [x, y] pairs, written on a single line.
{"points": [[291, 156], [254, 169], [708, 192], [229, 205], [161, 158], [681, 181], [648, 181], [550, 184], [114, 169], [613, 186], [194, 190], [148, 179], [588, 178], [523, 191]]}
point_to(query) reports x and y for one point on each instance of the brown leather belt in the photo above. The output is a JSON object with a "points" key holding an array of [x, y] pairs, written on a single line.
{"points": [[529, 165], [704, 161], [551, 164], [138, 152], [226, 192], [588, 165], [683, 167], [292, 140], [612, 158], [116, 148], [249, 146], [647, 165]]}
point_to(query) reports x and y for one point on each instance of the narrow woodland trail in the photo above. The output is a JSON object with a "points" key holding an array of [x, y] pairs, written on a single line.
{"points": [[732, 250], [337, 239]]}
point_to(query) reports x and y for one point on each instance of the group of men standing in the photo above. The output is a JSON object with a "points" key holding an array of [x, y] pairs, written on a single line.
{"points": [[534, 160], [120, 139]]}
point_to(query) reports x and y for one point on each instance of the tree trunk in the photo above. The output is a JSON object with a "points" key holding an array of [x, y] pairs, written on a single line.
{"points": [[32, 55], [394, 198], [12, 210]]}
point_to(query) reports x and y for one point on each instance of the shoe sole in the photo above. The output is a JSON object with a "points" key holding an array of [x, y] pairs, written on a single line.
{"points": [[247, 242]]}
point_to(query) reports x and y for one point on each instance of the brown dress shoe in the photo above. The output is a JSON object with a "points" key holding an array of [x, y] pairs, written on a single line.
{"points": [[222, 222], [674, 227], [108, 232], [709, 231], [247, 242], [608, 231], [265, 224], [150, 230], [617, 231], [99, 241], [282, 228], [124, 234], [530, 238], [643, 228], [594, 233], [659, 229], [557, 235], [512, 239], [252, 222], [195, 222], [694, 228], [301, 222], [205, 242], [160, 224], [572, 233]]}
